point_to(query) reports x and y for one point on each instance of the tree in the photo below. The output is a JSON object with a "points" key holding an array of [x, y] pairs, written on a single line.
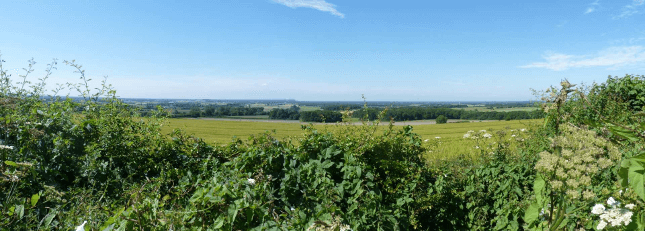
{"points": [[442, 119], [195, 112]]}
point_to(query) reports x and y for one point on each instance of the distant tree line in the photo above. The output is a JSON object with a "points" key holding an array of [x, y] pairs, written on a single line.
{"points": [[426, 113], [318, 116], [211, 111], [340, 107], [284, 114]]}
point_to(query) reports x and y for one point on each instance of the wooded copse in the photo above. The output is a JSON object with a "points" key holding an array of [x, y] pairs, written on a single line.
{"points": [[211, 111], [318, 116]]}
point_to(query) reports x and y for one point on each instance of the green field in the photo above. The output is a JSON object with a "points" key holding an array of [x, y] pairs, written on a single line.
{"points": [[450, 143], [251, 117]]}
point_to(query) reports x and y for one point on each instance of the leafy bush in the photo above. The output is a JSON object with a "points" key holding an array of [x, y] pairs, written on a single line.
{"points": [[442, 119]]}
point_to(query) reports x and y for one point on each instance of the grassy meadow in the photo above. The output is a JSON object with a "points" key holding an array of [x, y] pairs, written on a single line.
{"points": [[450, 144]]}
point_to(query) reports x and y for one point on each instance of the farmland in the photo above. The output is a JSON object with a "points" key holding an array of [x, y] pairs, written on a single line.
{"points": [[448, 145]]}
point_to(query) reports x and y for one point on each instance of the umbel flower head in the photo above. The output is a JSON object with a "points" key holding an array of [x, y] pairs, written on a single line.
{"points": [[615, 216], [582, 155]]}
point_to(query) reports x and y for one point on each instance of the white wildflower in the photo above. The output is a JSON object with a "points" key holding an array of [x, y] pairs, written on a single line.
{"points": [[250, 181], [471, 131], [487, 135], [476, 147], [523, 130], [467, 135], [598, 209], [81, 227], [6, 147], [482, 130], [292, 209], [614, 216], [601, 225], [512, 135], [425, 140], [612, 202], [437, 137]]}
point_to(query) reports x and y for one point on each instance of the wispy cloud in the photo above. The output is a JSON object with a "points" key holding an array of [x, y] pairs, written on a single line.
{"points": [[315, 4], [612, 57], [631, 9], [592, 7]]}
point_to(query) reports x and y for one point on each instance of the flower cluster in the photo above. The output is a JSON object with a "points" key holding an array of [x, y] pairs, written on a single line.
{"points": [[336, 224], [6, 147], [615, 215], [475, 135], [582, 156]]}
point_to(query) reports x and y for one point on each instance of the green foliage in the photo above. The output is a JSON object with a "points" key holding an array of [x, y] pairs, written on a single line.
{"points": [[67, 161], [442, 119], [324, 116]]}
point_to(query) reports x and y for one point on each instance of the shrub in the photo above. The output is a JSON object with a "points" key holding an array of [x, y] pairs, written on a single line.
{"points": [[441, 119]]}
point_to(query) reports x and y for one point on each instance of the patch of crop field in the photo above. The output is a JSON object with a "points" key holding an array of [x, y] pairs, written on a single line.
{"points": [[251, 117], [283, 106], [222, 132], [309, 108], [257, 105], [450, 143], [484, 109]]}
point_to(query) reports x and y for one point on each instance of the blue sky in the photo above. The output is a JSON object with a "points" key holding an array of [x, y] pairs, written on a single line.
{"points": [[328, 49]]}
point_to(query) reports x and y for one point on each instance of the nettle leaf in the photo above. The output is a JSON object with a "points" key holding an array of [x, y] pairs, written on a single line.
{"points": [[11, 163]]}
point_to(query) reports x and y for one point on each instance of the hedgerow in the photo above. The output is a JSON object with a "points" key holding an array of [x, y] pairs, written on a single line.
{"points": [[94, 163]]}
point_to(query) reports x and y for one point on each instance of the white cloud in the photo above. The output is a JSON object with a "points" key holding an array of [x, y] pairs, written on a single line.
{"points": [[592, 7], [612, 57], [631, 9], [315, 4]]}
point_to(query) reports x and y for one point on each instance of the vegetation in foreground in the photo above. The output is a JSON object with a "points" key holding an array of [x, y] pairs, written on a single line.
{"points": [[96, 163]]}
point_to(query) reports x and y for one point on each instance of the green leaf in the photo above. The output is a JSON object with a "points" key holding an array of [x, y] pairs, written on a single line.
{"points": [[34, 199], [636, 178], [20, 210], [538, 188], [622, 132], [532, 213], [11, 211], [10, 163], [219, 223], [623, 172], [49, 217]]}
